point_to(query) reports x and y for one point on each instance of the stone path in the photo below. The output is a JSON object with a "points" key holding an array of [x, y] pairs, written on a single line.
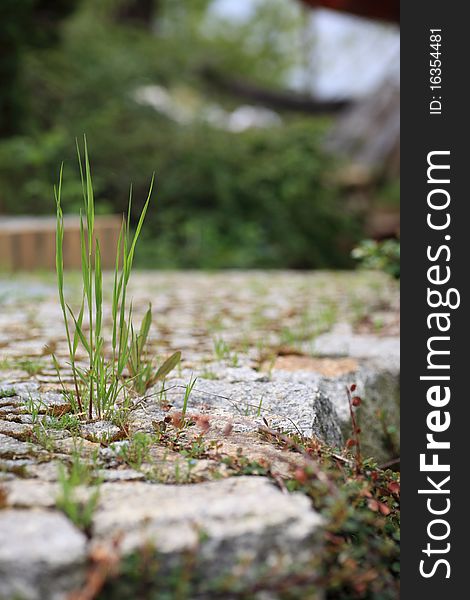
{"points": [[272, 351]]}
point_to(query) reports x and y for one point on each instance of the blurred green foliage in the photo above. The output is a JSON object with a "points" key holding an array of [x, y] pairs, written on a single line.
{"points": [[261, 198], [384, 256], [24, 24]]}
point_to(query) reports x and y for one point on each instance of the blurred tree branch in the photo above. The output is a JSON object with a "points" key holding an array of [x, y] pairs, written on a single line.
{"points": [[276, 99], [137, 12]]}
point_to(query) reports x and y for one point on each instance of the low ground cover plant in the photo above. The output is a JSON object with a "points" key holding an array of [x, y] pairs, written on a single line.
{"points": [[384, 255], [73, 477]]}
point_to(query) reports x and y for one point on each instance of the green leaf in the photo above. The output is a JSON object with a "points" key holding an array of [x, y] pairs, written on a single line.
{"points": [[144, 330], [168, 366], [130, 257], [76, 337], [98, 291], [79, 330]]}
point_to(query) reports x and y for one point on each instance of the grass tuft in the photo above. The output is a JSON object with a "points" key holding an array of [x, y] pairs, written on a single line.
{"points": [[99, 384]]}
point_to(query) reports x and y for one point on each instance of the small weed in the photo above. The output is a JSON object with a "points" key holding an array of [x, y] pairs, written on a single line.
{"points": [[310, 326], [78, 505], [267, 361], [34, 407], [358, 309], [97, 388], [141, 369], [120, 417], [291, 336], [221, 349], [187, 394], [326, 317], [378, 323], [234, 361], [41, 436], [250, 410], [184, 475], [137, 449], [196, 448], [241, 465], [207, 374], [32, 367], [215, 323], [7, 393], [69, 422]]}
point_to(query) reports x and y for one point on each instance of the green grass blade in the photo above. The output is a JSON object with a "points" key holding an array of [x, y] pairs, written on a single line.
{"points": [[60, 240], [82, 178], [132, 365], [76, 336], [130, 257], [168, 366], [84, 259], [90, 204], [117, 286], [98, 292], [79, 330], [144, 330], [187, 394]]}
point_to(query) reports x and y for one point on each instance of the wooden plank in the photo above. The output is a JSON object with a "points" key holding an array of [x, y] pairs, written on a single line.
{"points": [[6, 252], [29, 242]]}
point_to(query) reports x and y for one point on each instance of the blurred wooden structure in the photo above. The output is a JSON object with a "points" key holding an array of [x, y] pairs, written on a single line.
{"points": [[368, 132], [28, 243], [383, 10], [382, 223]]}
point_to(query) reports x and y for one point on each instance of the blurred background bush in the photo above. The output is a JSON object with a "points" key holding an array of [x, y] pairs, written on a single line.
{"points": [[220, 102]]}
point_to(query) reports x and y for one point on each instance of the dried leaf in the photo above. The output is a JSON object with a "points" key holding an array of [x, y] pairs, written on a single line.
{"points": [[228, 429], [384, 509], [394, 487]]}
